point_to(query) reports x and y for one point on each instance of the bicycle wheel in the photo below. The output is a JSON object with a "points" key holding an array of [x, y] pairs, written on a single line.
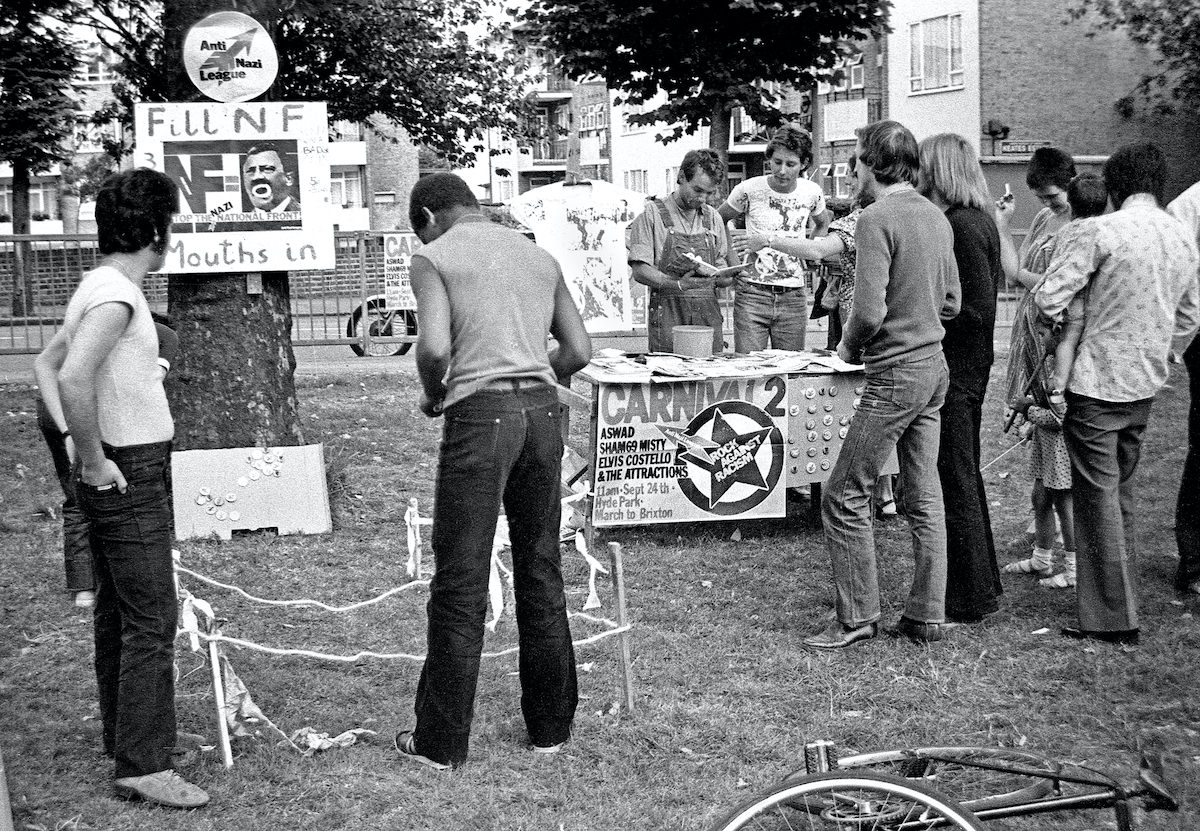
{"points": [[849, 801], [977, 778], [379, 324]]}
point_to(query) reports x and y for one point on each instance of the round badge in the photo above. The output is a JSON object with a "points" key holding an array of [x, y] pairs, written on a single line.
{"points": [[229, 56], [234, 516]]}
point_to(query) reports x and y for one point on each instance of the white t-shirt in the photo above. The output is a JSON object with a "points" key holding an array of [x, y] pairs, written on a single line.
{"points": [[131, 404], [782, 214]]}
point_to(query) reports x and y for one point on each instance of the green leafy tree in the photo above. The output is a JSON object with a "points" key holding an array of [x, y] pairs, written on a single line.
{"points": [[37, 113], [1172, 29], [709, 56], [440, 70]]}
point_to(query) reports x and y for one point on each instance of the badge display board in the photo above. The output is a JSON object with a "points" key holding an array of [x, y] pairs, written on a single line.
{"points": [[253, 180], [229, 56], [690, 450], [397, 260], [217, 492]]}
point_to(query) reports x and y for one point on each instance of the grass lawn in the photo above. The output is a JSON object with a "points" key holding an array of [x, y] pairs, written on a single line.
{"points": [[726, 696]]}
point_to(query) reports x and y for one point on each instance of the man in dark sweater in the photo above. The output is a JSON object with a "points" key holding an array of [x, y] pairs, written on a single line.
{"points": [[488, 298], [906, 284]]}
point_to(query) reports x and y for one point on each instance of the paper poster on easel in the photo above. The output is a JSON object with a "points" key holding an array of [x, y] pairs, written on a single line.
{"points": [[583, 226], [253, 181]]}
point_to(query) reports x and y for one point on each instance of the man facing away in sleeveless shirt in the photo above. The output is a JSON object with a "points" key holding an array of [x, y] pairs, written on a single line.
{"points": [[487, 299]]}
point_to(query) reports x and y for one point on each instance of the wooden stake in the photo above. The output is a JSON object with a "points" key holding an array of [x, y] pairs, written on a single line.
{"points": [[214, 658], [618, 577]]}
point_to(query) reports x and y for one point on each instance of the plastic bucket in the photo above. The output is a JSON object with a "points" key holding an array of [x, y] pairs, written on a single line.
{"points": [[696, 341]]}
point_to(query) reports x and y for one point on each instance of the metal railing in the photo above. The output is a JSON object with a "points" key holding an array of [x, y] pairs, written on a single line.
{"points": [[38, 274]]}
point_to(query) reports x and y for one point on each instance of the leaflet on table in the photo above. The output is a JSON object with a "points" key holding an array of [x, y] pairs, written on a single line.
{"points": [[690, 450]]}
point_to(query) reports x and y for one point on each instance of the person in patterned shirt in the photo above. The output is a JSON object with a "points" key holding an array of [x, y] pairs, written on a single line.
{"points": [[1139, 267]]}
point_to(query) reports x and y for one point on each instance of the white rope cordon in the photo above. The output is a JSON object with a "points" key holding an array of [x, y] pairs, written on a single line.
{"points": [[303, 601], [384, 656], [1002, 455]]}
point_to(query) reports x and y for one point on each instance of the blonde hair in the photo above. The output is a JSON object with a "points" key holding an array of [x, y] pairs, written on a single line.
{"points": [[950, 169]]}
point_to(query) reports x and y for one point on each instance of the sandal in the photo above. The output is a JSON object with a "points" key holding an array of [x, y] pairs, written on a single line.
{"points": [[1028, 566], [887, 508], [1062, 580]]}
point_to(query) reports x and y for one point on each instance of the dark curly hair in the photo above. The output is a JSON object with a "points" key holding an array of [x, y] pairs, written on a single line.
{"points": [[890, 151], [134, 210], [1050, 167], [703, 160], [792, 139], [1139, 167], [1087, 195], [437, 192]]}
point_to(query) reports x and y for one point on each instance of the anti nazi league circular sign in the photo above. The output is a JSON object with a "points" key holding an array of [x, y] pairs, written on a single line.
{"points": [[733, 454], [230, 57]]}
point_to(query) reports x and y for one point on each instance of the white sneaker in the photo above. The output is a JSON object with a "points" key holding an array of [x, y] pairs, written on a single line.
{"points": [[85, 599], [163, 788]]}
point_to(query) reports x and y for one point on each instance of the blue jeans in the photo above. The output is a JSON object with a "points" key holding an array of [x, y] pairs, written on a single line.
{"points": [[761, 315], [77, 552], [498, 447], [136, 609], [1104, 439], [899, 409]]}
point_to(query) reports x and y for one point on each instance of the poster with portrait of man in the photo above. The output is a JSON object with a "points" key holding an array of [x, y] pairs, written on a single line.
{"points": [[253, 181]]}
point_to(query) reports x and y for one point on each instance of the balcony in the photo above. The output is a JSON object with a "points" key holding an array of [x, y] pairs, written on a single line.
{"points": [[543, 155], [745, 133]]}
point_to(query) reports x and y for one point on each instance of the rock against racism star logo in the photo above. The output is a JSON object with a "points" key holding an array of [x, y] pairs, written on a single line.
{"points": [[733, 454]]}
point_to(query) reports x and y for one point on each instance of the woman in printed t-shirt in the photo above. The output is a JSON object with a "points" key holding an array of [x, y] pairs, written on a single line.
{"points": [[770, 306]]}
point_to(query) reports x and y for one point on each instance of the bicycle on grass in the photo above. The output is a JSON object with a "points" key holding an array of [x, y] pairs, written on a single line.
{"points": [[940, 787]]}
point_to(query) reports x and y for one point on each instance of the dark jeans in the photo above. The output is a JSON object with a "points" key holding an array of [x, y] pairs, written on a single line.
{"points": [[136, 608], [77, 553], [972, 576], [666, 311], [899, 409], [497, 448], [1187, 507], [1104, 439]]}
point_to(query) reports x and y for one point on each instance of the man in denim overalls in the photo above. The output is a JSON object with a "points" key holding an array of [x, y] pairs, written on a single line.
{"points": [[683, 292]]}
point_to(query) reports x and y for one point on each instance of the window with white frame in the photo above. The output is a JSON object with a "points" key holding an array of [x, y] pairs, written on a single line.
{"points": [[43, 199], [855, 72], [633, 109], [843, 181], [637, 180], [935, 53], [593, 116], [89, 137], [385, 197], [97, 68], [345, 187], [670, 174], [506, 190]]}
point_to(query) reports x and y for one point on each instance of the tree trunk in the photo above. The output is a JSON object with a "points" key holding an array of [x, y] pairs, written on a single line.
{"points": [[718, 132], [68, 207], [233, 383], [22, 276]]}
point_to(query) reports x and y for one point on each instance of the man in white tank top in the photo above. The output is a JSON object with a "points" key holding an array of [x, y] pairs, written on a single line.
{"points": [[112, 397]]}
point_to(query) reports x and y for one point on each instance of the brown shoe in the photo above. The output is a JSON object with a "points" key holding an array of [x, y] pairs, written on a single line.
{"points": [[166, 788], [838, 636]]}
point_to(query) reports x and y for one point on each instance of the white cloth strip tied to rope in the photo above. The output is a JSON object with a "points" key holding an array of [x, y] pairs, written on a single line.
{"points": [[197, 632], [389, 656]]}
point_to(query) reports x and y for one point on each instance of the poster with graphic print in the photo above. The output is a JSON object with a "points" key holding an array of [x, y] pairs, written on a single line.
{"points": [[397, 261], [690, 451], [583, 226], [253, 183]]}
